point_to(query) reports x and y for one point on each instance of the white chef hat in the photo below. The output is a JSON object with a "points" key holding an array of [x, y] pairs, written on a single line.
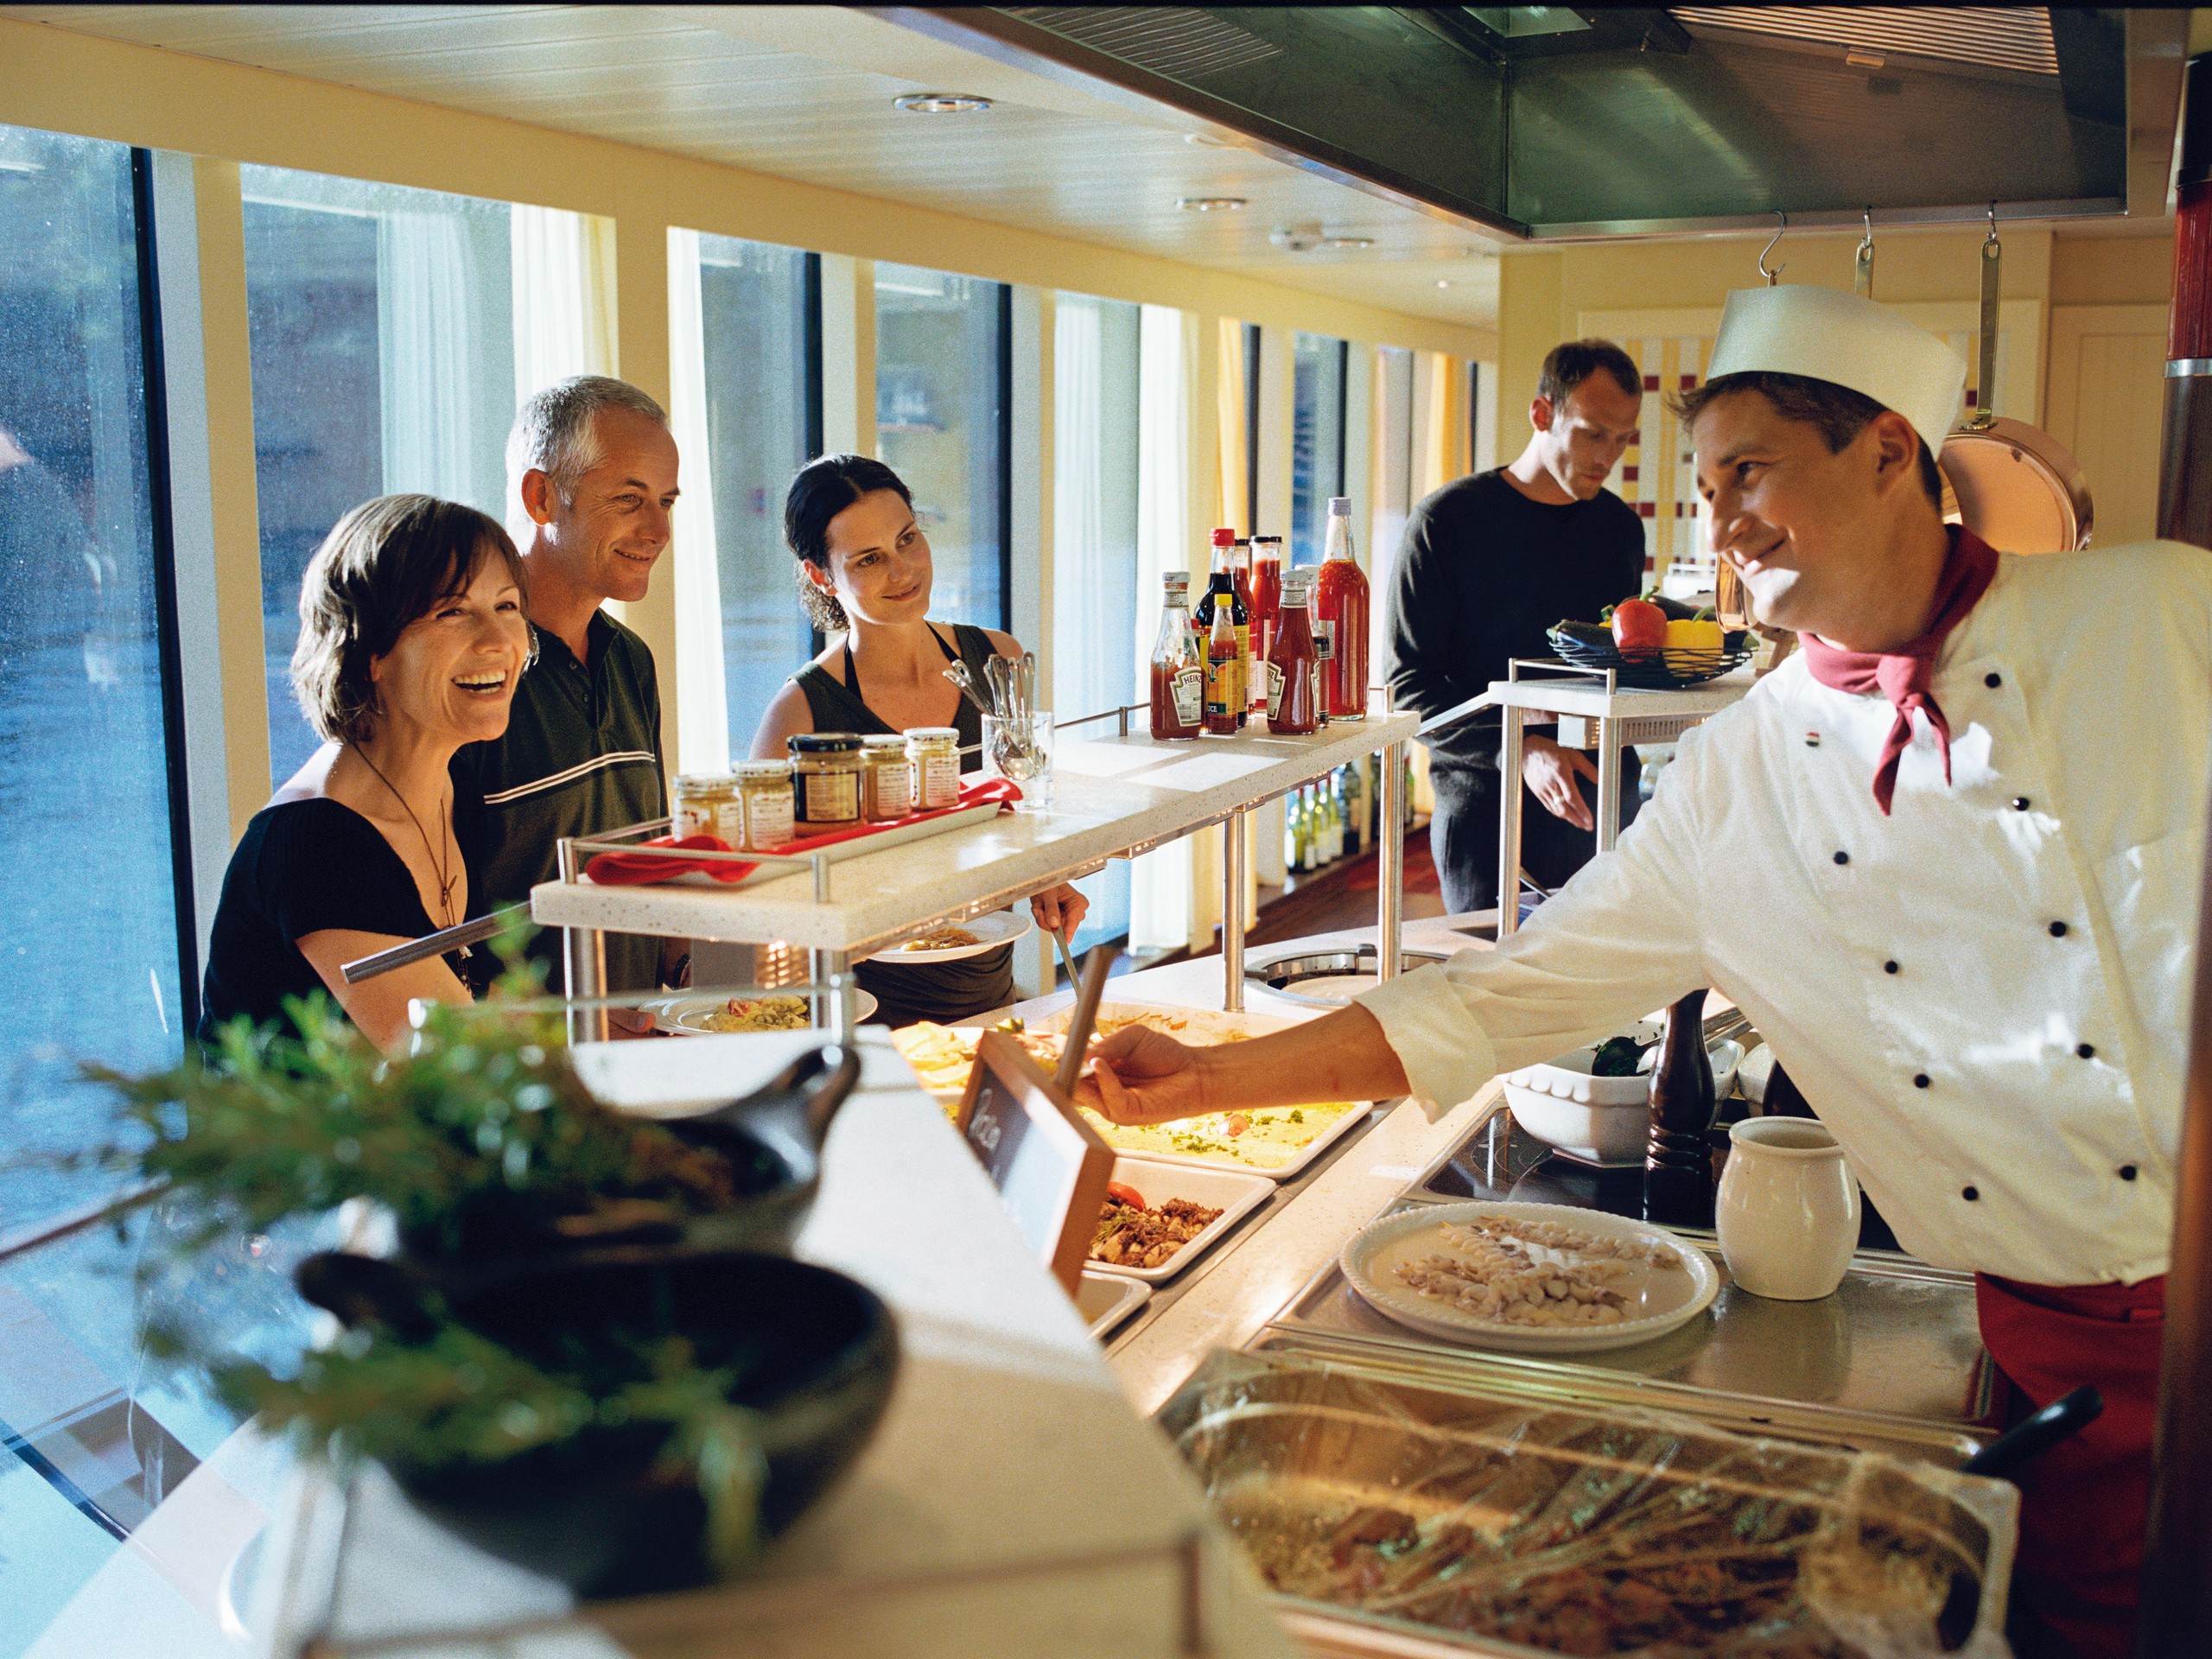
{"points": [[1824, 333]]}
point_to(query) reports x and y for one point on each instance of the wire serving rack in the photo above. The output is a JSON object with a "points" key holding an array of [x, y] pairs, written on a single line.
{"points": [[1665, 671]]}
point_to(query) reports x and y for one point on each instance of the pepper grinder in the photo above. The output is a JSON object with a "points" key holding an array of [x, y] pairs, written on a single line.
{"points": [[1678, 1168]]}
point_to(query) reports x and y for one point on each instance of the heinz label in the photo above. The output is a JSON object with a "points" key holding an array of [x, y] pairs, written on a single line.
{"points": [[1325, 639], [1189, 690], [1275, 691]]}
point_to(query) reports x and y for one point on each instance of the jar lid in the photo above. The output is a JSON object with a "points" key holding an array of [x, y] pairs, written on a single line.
{"points": [[759, 771], [884, 743], [934, 733], [822, 742], [690, 781]]}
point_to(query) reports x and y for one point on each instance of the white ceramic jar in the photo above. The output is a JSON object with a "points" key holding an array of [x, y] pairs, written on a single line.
{"points": [[1787, 1209]]}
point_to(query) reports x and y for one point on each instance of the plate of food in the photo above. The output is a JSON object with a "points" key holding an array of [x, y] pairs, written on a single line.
{"points": [[952, 941], [1276, 1141], [707, 1016], [1160, 1218], [1529, 1278]]}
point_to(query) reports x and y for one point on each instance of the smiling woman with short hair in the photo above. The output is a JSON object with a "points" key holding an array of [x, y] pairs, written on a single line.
{"points": [[412, 638]]}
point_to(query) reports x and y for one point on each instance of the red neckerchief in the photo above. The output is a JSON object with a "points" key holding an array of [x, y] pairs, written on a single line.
{"points": [[1904, 675]]}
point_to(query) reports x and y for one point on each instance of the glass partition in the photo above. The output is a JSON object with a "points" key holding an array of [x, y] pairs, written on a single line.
{"points": [[1317, 455], [942, 356], [761, 309], [382, 330], [93, 967]]}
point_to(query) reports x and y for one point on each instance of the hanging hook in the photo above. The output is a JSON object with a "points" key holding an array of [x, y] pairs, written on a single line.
{"points": [[1992, 223], [1774, 276], [1866, 242], [1862, 274]]}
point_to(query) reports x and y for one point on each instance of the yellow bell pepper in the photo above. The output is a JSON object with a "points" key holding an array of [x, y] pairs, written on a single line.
{"points": [[1706, 639]]}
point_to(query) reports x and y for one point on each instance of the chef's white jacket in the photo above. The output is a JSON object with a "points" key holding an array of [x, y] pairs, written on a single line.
{"points": [[1986, 995]]}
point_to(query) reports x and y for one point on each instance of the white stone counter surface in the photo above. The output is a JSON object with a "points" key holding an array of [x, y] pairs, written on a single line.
{"points": [[1110, 794]]}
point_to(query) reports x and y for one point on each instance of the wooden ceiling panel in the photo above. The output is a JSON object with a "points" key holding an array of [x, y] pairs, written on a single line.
{"points": [[744, 87]]}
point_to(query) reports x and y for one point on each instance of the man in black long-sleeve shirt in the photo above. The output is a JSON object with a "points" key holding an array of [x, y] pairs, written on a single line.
{"points": [[1489, 563]]}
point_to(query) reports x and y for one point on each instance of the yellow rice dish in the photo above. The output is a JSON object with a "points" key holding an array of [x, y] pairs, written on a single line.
{"points": [[943, 1056]]}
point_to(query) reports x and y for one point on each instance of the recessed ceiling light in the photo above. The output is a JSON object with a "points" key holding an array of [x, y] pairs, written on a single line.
{"points": [[1349, 242], [1210, 203], [1442, 282], [1206, 140], [940, 103]]}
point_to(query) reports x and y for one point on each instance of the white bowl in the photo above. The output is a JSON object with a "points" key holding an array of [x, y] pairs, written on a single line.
{"points": [[1601, 1121]]}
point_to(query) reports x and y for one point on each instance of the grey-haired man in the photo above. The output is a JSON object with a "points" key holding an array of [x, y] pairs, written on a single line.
{"points": [[591, 476]]}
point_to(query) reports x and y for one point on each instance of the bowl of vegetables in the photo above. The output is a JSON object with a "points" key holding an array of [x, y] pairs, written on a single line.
{"points": [[1654, 644], [1594, 1103]]}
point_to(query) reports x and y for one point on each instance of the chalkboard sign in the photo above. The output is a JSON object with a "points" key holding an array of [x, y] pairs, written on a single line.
{"points": [[1049, 1166]]}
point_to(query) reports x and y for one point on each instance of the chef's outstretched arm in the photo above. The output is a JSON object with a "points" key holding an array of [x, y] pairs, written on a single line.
{"points": [[1621, 939]]}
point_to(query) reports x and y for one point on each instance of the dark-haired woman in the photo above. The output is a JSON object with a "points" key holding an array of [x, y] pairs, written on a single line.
{"points": [[412, 637], [864, 575]]}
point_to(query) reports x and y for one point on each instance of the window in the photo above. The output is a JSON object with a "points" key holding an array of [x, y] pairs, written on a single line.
{"points": [[98, 962], [381, 325], [1095, 654], [1317, 455], [943, 362], [761, 313]]}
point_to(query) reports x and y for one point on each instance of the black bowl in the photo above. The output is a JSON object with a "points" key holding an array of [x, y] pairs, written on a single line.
{"points": [[1665, 670], [820, 1353]]}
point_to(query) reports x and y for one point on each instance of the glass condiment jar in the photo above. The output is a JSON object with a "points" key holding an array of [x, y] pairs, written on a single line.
{"points": [[935, 750], [825, 781], [886, 778], [705, 803], [765, 788]]}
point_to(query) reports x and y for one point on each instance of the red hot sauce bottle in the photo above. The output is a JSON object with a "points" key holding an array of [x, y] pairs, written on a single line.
{"points": [[1340, 614]]}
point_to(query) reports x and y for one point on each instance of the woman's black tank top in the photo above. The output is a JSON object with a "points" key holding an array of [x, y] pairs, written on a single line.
{"points": [[947, 991]]}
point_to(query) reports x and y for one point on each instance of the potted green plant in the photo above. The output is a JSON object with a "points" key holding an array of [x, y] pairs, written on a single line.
{"points": [[571, 1361]]}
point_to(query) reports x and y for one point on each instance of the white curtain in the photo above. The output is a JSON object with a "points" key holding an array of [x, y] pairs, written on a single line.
{"points": [[427, 322], [1160, 882], [564, 267], [1084, 679], [702, 698]]}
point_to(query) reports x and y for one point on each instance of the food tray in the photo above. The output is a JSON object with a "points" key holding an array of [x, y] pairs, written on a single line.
{"points": [[1210, 1026], [1461, 1516], [1894, 1356], [1673, 669], [1233, 1193], [1106, 1299]]}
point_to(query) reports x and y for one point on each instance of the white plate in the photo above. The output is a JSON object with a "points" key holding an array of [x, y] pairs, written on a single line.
{"points": [[1233, 1192], [992, 930], [1673, 1301], [686, 1016], [1105, 1299]]}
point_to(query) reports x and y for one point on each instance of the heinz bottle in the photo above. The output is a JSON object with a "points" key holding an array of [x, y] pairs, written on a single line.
{"points": [[1293, 666], [1179, 668], [1340, 620]]}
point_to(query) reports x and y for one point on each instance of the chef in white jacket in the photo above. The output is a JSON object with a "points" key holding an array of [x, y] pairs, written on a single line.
{"points": [[1947, 857]]}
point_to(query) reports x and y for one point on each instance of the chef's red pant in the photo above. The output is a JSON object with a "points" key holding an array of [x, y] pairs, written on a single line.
{"points": [[2084, 1502]]}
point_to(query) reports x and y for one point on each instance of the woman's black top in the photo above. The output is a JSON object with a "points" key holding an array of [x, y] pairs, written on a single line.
{"points": [[943, 991], [302, 867]]}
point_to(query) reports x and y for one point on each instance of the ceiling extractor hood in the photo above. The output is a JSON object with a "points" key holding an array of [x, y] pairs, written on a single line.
{"points": [[1555, 122]]}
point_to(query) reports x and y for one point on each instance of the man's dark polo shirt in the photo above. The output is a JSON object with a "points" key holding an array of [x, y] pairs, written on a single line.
{"points": [[581, 756]]}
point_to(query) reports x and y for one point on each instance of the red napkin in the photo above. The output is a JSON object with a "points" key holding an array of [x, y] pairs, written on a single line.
{"points": [[630, 870]]}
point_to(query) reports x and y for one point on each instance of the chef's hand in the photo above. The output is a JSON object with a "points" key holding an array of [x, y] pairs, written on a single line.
{"points": [[1550, 772], [1059, 910], [1141, 1076]]}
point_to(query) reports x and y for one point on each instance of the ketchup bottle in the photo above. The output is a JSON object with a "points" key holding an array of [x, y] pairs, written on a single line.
{"points": [[1340, 615], [1294, 667], [1266, 606], [1178, 670]]}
